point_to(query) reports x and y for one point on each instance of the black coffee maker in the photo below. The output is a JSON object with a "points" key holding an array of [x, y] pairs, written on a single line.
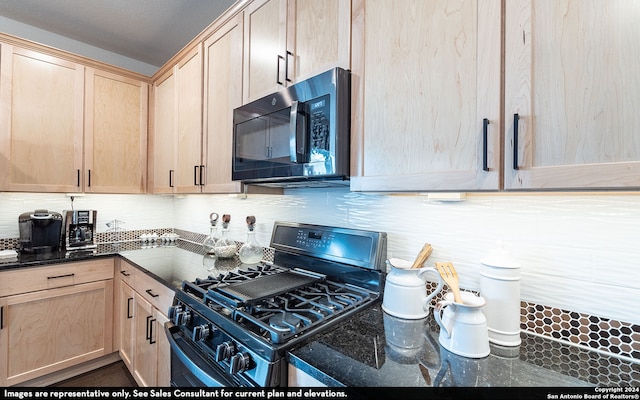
{"points": [[40, 231]]}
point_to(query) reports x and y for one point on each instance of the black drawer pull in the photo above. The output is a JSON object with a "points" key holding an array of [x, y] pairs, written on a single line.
{"points": [[150, 292], [61, 276], [125, 273]]}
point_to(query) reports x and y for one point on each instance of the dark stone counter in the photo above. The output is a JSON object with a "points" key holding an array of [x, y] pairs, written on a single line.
{"points": [[373, 348]]}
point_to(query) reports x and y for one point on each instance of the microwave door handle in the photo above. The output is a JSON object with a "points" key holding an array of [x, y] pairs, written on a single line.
{"points": [[297, 136]]}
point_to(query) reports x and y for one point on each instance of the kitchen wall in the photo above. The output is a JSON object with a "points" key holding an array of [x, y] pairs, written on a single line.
{"points": [[578, 252], [24, 31]]}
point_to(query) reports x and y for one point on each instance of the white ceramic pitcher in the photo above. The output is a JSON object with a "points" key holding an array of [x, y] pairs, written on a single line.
{"points": [[405, 292], [463, 326]]}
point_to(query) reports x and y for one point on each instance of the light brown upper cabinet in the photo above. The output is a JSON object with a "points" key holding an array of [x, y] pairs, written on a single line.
{"points": [[162, 135], [176, 137], [426, 95], [69, 128], [572, 94], [41, 117], [287, 41], [115, 133], [222, 93]]}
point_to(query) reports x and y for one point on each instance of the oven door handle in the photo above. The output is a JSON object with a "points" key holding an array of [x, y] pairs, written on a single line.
{"points": [[189, 358]]}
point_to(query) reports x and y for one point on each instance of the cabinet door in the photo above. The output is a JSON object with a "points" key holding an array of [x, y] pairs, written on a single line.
{"points": [[163, 139], [572, 78], [265, 48], [423, 87], [318, 36], [41, 117], [145, 357], [189, 122], [115, 133], [163, 350], [126, 314], [49, 330], [223, 93]]}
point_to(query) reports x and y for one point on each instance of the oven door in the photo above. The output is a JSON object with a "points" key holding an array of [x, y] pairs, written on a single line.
{"points": [[188, 367]]}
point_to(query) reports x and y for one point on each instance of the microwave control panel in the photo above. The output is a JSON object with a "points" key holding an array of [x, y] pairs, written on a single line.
{"points": [[319, 110]]}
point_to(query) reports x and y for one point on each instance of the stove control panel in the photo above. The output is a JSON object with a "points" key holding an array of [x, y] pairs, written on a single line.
{"points": [[219, 347], [179, 315]]}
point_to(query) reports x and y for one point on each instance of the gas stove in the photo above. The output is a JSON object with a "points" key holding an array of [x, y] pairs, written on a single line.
{"points": [[235, 328]]}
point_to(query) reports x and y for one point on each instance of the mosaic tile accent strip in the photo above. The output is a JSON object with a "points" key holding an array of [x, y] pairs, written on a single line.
{"points": [[128, 236], [615, 337], [10, 244], [589, 366]]}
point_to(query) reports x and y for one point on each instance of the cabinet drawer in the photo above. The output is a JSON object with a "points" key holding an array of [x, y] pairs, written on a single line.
{"points": [[26, 280], [125, 271], [160, 296]]}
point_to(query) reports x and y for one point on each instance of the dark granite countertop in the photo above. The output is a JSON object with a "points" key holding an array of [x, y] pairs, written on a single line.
{"points": [[373, 348], [169, 264]]}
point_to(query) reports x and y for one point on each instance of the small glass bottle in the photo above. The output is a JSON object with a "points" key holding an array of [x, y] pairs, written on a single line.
{"points": [[251, 252], [224, 247], [210, 241]]}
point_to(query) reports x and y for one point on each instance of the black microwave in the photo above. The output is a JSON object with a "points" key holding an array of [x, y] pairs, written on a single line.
{"points": [[297, 137]]}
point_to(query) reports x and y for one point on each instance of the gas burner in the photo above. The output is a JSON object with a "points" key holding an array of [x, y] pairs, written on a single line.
{"points": [[285, 322], [328, 304]]}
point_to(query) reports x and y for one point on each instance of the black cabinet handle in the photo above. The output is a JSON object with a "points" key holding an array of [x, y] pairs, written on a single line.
{"points": [[1, 317], [195, 175], [148, 330], [485, 134], [61, 276], [151, 293], [201, 175], [170, 178], [129, 316], [516, 119], [78, 178], [278, 81], [151, 324], [125, 273], [286, 65]]}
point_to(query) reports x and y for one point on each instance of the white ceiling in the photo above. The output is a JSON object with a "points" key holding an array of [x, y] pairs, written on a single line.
{"points": [[150, 31]]}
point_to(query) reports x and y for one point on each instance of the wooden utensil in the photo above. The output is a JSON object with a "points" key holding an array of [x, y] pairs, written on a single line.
{"points": [[422, 256], [450, 277]]}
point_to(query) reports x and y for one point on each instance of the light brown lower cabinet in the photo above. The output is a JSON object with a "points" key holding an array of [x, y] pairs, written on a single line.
{"points": [[141, 314], [64, 322]]}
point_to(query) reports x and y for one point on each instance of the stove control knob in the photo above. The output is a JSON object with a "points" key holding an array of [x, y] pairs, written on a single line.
{"points": [[182, 318], [201, 332], [173, 310], [225, 350], [239, 363]]}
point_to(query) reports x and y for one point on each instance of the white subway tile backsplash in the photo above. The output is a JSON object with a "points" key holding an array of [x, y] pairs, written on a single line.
{"points": [[577, 251]]}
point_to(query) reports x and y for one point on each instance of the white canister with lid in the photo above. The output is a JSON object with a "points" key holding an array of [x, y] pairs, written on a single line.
{"points": [[500, 287]]}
